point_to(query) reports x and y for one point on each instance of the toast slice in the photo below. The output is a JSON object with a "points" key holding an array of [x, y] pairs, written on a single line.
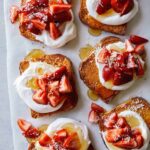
{"points": [[56, 60], [89, 74], [91, 22], [136, 104]]}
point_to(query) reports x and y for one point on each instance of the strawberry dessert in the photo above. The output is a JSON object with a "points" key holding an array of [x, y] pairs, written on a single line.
{"points": [[62, 134], [48, 21], [121, 63]]}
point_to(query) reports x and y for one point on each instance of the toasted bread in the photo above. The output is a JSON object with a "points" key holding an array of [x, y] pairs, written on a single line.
{"points": [[56, 60], [89, 74], [91, 22], [136, 104]]}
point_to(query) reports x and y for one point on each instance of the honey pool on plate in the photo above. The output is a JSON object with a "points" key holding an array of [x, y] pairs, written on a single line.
{"points": [[94, 32]]}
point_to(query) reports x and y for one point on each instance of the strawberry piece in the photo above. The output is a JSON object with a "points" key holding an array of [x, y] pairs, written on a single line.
{"points": [[140, 141], [136, 132], [42, 2], [97, 108], [53, 85], [139, 49], [65, 85], [122, 122], [128, 46], [127, 143], [58, 8], [60, 135], [131, 64], [24, 125], [108, 73], [32, 133], [140, 69], [72, 142], [54, 31], [45, 140], [103, 56], [42, 84], [40, 97], [93, 117], [137, 40], [38, 24], [14, 12], [22, 18]]}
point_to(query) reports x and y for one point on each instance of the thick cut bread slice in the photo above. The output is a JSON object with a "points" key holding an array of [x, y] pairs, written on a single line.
{"points": [[91, 22], [56, 60], [136, 104], [89, 74]]}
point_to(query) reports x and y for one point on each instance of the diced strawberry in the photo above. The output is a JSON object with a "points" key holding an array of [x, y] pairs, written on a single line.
{"points": [[42, 2], [53, 85], [32, 133], [38, 24], [14, 12], [138, 40], [93, 117], [140, 141], [128, 46], [60, 135], [108, 73], [103, 56], [58, 8], [60, 1], [72, 142], [127, 143], [65, 85], [131, 64], [97, 108], [42, 84], [54, 31], [45, 140], [140, 49], [24, 125], [136, 132], [140, 69], [122, 122], [40, 97], [22, 18]]}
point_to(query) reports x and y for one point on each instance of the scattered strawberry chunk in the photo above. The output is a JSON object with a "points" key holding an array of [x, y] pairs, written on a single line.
{"points": [[38, 24], [58, 8], [32, 133], [24, 125], [131, 64], [60, 135], [129, 46], [54, 31], [93, 117], [45, 140], [137, 40], [108, 73], [122, 122], [42, 84], [53, 85], [14, 12], [140, 49], [140, 141], [65, 85], [97, 108], [140, 69]]}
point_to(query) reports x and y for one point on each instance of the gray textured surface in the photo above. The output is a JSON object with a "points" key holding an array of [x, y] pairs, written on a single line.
{"points": [[5, 126]]}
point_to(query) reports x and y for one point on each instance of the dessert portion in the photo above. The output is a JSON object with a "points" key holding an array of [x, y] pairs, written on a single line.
{"points": [[114, 65], [48, 21], [46, 84], [108, 15], [126, 126], [62, 134]]}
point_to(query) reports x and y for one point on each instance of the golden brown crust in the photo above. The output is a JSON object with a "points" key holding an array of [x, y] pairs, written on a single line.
{"points": [[89, 74], [136, 104], [56, 60], [91, 22]]}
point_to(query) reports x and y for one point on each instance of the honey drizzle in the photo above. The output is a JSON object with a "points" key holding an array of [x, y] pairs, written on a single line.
{"points": [[92, 95], [94, 32]]}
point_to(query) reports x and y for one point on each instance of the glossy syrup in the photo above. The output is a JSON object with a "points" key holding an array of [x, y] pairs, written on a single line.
{"points": [[92, 95], [94, 32]]}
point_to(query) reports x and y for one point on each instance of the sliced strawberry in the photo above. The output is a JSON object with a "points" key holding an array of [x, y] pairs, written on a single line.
{"points": [[131, 64], [42, 2], [122, 122], [45, 140], [97, 108], [72, 142], [58, 8], [22, 18], [40, 97], [138, 40], [136, 132], [24, 125], [128, 46], [53, 85], [42, 84], [140, 141], [54, 31], [140, 49], [140, 69], [14, 12], [65, 85], [93, 117], [38, 24], [127, 143], [32, 133], [108, 73], [60, 135]]}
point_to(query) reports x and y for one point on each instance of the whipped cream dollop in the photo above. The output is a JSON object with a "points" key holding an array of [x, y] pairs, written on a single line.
{"points": [[120, 47], [60, 123], [26, 93], [68, 33], [112, 18], [141, 125]]}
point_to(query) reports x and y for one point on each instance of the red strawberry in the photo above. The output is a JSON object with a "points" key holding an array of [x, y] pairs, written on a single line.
{"points": [[45, 140], [97, 108], [32, 133], [42, 84], [40, 97], [58, 8], [65, 85], [108, 73], [24, 125], [128, 46], [140, 49], [140, 141], [122, 122], [54, 31], [60, 135], [140, 69], [131, 64], [137, 40], [93, 117], [53, 85], [14, 12], [38, 24]]}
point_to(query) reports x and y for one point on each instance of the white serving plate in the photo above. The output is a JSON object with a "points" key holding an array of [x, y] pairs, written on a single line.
{"points": [[18, 47]]}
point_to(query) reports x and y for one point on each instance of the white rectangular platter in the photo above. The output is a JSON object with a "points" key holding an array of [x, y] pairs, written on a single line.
{"points": [[18, 47]]}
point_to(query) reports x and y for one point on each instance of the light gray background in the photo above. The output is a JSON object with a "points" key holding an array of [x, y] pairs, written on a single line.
{"points": [[5, 126]]}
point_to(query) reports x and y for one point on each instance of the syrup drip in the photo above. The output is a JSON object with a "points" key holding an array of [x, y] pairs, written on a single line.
{"points": [[32, 83], [92, 95], [94, 32]]}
